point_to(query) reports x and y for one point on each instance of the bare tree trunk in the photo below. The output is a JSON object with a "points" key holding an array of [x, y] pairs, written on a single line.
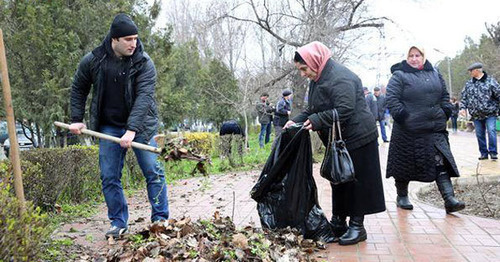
{"points": [[299, 93], [246, 127]]}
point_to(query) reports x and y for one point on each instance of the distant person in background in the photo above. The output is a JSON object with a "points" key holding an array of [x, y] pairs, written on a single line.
{"points": [[481, 97], [231, 127], [381, 108], [283, 111], [231, 132], [454, 114], [388, 117], [265, 112], [371, 102], [419, 151]]}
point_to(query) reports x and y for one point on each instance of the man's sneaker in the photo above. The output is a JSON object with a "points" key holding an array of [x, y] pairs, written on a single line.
{"points": [[161, 222], [483, 157], [493, 156], [116, 232]]}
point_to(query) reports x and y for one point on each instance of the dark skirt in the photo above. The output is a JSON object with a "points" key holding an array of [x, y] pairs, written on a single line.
{"points": [[365, 195]]}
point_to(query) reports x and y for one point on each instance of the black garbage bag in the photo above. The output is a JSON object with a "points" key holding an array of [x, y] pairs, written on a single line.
{"points": [[286, 193]]}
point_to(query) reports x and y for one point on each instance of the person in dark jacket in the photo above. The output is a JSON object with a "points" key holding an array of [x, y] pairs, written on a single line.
{"points": [[265, 112], [231, 133], [381, 107], [481, 97], [454, 114], [231, 127], [371, 102], [333, 86], [420, 151], [122, 78], [283, 111]]}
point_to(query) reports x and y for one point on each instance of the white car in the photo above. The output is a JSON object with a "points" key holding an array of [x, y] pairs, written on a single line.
{"points": [[22, 140]]}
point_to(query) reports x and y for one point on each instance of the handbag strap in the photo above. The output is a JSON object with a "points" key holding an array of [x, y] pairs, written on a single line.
{"points": [[336, 126]]}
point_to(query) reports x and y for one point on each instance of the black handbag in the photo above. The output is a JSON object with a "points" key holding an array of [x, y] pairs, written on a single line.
{"points": [[337, 165]]}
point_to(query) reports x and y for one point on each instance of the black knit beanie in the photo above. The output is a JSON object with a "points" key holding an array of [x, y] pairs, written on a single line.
{"points": [[122, 26]]}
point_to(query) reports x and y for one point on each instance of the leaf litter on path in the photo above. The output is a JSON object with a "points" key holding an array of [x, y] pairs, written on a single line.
{"points": [[216, 239]]}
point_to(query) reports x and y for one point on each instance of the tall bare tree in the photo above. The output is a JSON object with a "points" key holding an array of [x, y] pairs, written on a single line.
{"points": [[337, 23]]}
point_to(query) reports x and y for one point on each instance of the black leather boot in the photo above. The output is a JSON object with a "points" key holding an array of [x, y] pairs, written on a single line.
{"points": [[402, 199], [355, 233], [339, 226], [451, 204]]}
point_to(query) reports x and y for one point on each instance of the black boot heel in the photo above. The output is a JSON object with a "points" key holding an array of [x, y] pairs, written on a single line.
{"points": [[355, 233]]}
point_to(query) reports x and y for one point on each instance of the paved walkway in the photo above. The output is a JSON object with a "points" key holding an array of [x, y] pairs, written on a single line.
{"points": [[423, 234]]}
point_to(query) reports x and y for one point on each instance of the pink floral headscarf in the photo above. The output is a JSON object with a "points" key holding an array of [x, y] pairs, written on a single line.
{"points": [[315, 54]]}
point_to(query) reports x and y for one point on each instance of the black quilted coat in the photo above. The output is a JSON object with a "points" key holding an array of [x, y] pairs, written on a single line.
{"points": [[139, 94], [339, 88], [419, 103]]}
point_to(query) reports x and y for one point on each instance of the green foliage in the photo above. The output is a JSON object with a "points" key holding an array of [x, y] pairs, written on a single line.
{"points": [[202, 142], [253, 158], [70, 211], [61, 175], [219, 100], [178, 83], [21, 236], [45, 41], [66, 175], [485, 51], [61, 32], [190, 89]]}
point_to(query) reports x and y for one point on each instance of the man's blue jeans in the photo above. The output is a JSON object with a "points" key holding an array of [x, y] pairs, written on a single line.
{"points": [[486, 126], [111, 161], [265, 130], [382, 130]]}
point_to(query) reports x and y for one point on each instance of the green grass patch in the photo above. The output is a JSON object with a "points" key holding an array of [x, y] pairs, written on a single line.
{"points": [[70, 212], [253, 158]]}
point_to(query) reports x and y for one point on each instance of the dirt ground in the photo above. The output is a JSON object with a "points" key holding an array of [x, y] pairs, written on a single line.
{"points": [[481, 198]]}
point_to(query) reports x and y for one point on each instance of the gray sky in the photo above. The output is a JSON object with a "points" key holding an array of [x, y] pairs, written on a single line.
{"points": [[433, 24]]}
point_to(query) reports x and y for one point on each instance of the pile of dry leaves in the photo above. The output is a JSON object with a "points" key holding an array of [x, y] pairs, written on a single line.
{"points": [[213, 240]]}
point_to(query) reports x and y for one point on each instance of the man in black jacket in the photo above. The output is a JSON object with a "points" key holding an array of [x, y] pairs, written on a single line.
{"points": [[371, 102], [381, 107], [122, 78], [282, 112]]}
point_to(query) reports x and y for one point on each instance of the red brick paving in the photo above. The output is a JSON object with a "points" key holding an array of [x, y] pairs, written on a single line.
{"points": [[424, 234]]}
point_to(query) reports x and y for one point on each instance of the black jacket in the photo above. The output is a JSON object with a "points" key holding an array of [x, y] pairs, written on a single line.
{"points": [[371, 102], [231, 127], [139, 94], [265, 112], [419, 103], [381, 106], [339, 88], [281, 113]]}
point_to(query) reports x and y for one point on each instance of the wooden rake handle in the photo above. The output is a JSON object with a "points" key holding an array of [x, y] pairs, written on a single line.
{"points": [[111, 138]]}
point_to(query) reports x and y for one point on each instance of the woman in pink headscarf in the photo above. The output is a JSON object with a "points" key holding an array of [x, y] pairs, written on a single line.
{"points": [[333, 86]]}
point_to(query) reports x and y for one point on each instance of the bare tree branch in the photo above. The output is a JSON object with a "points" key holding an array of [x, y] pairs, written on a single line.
{"points": [[274, 80]]}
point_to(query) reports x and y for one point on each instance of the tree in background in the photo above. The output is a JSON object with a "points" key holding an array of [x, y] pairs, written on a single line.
{"points": [[178, 83], [220, 94], [486, 51], [256, 39], [340, 24], [45, 41]]}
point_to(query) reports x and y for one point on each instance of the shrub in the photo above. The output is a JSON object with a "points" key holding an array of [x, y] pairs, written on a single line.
{"points": [[21, 238], [63, 175], [201, 142]]}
